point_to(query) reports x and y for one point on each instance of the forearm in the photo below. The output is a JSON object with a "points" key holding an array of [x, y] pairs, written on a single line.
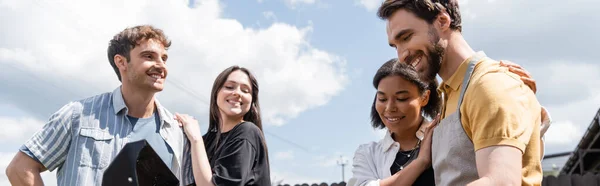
{"points": [[21, 175], [482, 181], [407, 175], [200, 164], [498, 165]]}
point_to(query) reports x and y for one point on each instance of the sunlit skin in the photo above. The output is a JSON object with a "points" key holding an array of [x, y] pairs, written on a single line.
{"points": [[142, 76], [146, 69], [399, 106], [234, 98], [437, 49], [418, 43], [415, 42]]}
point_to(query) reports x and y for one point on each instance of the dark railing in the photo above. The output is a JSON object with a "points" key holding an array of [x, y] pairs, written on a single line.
{"points": [[572, 180], [315, 184]]}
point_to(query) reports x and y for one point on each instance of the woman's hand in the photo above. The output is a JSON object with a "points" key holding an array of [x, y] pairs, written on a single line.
{"points": [[425, 151], [190, 126], [525, 76]]}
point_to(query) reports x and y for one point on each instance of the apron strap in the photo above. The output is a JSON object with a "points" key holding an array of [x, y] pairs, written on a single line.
{"points": [[470, 68]]}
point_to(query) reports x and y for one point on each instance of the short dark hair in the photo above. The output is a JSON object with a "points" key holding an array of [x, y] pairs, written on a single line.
{"points": [[427, 10], [395, 68], [123, 42]]}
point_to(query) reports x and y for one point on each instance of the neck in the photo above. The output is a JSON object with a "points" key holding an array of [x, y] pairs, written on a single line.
{"points": [[457, 51], [139, 104], [228, 123], [407, 136]]}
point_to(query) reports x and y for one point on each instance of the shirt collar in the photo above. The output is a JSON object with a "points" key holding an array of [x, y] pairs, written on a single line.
{"points": [[387, 142], [119, 106]]}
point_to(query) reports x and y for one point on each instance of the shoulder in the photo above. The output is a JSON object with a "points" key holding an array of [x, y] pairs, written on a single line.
{"points": [[492, 83], [489, 72], [367, 149], [104, 100], [73, 108], [247, 128], [247, 131]]}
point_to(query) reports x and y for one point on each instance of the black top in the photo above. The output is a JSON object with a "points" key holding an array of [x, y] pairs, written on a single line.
{"points": [[240, 157], [426, 178]]}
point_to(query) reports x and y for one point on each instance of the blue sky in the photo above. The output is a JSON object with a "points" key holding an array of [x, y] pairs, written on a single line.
{"points": [[314, 60]]}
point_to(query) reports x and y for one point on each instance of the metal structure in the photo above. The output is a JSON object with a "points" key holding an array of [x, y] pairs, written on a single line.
{"points": [[586, 156], [342, 162]]}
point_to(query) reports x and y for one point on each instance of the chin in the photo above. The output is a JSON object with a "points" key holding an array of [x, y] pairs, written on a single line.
{"points": [[234, 112], [157, 87]]}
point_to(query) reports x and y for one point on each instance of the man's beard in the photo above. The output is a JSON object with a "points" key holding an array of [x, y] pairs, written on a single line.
{"points": [[436, 53]]}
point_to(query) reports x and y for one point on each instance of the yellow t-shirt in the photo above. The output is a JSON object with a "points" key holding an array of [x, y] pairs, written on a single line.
{"points": [[498, 109]]}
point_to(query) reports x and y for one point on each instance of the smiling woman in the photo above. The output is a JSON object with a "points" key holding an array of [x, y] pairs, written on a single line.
{"points": [[403, 156], [235, 152]]}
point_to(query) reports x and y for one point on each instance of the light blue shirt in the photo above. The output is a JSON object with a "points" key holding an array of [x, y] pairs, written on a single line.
{"points": [[148, 129], [82, 138]]}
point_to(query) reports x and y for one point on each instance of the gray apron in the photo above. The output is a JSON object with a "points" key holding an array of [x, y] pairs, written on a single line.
{"points": [[452, 151]]}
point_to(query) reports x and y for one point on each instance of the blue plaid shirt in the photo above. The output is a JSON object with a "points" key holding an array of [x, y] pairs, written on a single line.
{"points": [[83, 137]]}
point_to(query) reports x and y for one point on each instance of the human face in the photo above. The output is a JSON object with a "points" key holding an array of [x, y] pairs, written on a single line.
{"points": [[416, 43], [399, 103], [235, 96], [147, 67]]}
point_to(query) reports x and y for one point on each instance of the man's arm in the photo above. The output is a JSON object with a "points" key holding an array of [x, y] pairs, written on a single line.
{"points": [[498, 165], [39, 153], [24, 170], [502, 118]]}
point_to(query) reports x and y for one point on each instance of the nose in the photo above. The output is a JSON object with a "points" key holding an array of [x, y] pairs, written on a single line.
{"points": [[160, 63], [402, 54], [161, 66], [391, 106], [236, 91]]}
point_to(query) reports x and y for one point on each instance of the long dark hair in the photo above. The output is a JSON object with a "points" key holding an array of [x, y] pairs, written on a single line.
{"points": [[395, 68], [253, 115]]}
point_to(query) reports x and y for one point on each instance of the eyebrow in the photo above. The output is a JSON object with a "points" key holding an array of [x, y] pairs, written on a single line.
{"points": [[231, 81], [399, 92], [400, 34], [154, 53], [148, 51]]}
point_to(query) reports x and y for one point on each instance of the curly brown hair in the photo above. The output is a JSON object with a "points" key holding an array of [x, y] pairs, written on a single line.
{"points": [[123, 42]]}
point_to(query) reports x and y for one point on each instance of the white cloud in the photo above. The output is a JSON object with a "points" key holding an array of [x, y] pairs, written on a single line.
{"points": [[5, 158], [564, 132], [285, 155], [269, 15], [571, 96], [295, 3], [64, 44], [18, 129], [370, 5]]}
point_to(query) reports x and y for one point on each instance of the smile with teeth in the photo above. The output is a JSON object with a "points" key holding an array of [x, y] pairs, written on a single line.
{"points": [[235, 102], [392, 119], [155, 76], [416, 61]]}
